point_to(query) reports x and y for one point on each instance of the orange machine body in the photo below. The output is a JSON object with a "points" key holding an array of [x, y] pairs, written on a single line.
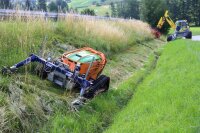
{"points": [[90, 61]]}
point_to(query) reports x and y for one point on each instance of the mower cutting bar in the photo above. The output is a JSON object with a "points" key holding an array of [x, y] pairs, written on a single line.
{"points": [[31, 58], [49, 66]]}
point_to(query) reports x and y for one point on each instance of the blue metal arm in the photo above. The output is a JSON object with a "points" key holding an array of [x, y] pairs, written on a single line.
{"points": [[52, 67]]}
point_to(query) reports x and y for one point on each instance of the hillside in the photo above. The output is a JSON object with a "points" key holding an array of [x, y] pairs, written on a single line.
{"points": [[168, 99], [87, 3], [100, 8]]}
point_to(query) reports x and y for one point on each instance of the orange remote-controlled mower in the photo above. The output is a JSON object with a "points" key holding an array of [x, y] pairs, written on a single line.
{"points": [[79, 68]]}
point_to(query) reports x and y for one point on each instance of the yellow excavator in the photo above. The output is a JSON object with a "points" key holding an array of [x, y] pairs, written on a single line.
{"points": [[181, 27]]}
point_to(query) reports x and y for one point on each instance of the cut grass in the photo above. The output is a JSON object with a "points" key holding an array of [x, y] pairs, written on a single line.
{"points": [[98, 113], [168, 99], [195, 30]]}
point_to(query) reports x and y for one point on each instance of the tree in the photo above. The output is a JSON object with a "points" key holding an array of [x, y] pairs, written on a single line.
{"points": [[28, 5], [62, 5], [53, 7], [88, 11], [152, 10], [128, 9], [5, 4], [113, 9], [133, 9], [58, 6], [33, 5], [107, 14], [42, 5], [198, 10], [185, 9], [120, 7]]}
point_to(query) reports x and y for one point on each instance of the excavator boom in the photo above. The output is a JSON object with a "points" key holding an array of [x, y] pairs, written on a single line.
{"points": [[181, 28], [168, 19]]}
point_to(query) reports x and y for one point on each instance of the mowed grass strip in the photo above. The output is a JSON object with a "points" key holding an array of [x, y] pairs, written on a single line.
{"points": [[195, 30], [169, 98], [97, 114]]}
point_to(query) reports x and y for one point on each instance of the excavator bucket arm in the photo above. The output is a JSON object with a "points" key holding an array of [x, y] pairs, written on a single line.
{"points": [[166, 18]]}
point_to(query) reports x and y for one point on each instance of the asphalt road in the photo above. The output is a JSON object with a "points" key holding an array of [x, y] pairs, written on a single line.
{"points": [[196, 38]]}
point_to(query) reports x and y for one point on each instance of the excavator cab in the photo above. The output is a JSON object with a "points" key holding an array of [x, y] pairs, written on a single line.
{"points": [[182, 30], [181, 25]]}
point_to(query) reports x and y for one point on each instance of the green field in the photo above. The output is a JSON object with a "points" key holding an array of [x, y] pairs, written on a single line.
{"points": [[85, 3], [168, 99], [82, 3], [195, 30], [100, 10]]}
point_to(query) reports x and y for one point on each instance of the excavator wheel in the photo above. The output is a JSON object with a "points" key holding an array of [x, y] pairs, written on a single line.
{"points": [[7, 71], [169, 38], [99, 86], [189, 35]]}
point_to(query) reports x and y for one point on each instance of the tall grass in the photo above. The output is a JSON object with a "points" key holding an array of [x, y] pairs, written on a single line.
{"points": [[21, 38], [107, 36]]}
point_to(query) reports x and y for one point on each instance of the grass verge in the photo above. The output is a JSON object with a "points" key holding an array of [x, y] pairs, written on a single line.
{"points": [[195, 30], [97, 114], [168, 99]]}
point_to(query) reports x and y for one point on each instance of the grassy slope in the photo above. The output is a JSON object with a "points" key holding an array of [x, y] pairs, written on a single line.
{"points": [[98, 114], [168, 99], [99, 10], [26, 101], [81, 3]]}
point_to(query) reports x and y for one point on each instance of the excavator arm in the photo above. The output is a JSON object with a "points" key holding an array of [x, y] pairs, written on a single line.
{"points": [[168, 19]]}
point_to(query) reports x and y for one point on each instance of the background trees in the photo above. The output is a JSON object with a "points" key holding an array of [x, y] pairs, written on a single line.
{"points": [[5, 4], [58, 6], [147, 10], [128, 9], [185, 9], [88, 11], [152, 10], [42, 5]]}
